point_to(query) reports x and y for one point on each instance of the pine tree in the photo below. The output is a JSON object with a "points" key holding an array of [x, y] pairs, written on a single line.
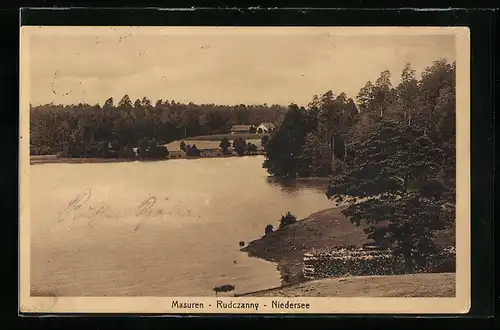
{"points": [[316, 157], [125, 102], [365, 98], [108, 104], [240, 145], [407, 94], [285, 146], [382, 93], [387, 183]]}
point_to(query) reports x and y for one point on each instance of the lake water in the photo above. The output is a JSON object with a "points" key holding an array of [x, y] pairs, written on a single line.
{"points": [[187, 243]]}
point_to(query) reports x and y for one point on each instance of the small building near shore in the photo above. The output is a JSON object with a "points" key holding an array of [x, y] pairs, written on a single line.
{"points": [[238, 129], [265, 127]]}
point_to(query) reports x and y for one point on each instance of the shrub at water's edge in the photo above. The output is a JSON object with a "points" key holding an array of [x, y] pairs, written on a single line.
{"points": [[287, 220], [269, 229], [240, 145], [225, 145], [223, 288]]}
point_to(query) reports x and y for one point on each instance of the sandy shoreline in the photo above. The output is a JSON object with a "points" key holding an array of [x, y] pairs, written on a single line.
{"points": [[54, 160]]}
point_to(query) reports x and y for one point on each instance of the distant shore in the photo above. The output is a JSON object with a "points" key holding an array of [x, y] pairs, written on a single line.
{"points": [[229, 136], [49, 159], [36, 161], [321, 230]]}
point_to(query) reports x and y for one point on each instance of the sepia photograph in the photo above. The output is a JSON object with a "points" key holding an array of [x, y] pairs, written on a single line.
{"points": [[244, 169]]}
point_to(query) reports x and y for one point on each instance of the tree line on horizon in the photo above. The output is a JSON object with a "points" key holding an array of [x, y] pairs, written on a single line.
{"points": [[391, 157], [113, 130]]}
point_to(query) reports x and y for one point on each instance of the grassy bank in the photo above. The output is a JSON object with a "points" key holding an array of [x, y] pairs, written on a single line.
{"points": [[35, 161], [229, 136], [320, 230], [415, 285]]}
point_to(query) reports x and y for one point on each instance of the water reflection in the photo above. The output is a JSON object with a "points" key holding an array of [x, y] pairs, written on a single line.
{"points": [[292, 186]]}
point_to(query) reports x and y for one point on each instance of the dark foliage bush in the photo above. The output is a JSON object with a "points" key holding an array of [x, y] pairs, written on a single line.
{"points": [[223, 288], [225, 144], [269, 229], [239, 146], [183, 146], [250, 148], [193, 151], [264, 140], [287, 220], [147, 150]]}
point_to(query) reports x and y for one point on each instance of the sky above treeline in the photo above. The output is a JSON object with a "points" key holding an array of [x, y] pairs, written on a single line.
{"points": [[70, 65]]}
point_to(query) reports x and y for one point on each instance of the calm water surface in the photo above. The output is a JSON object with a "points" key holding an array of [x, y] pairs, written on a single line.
{"points": [[168, 228]]}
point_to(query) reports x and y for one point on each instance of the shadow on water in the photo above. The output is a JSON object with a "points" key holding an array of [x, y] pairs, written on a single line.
{"points": [[292, 186]]}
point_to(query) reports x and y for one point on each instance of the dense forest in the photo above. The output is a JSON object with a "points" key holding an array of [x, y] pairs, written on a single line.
{"points": [[315, 140], [391, 158], [113, 130]]}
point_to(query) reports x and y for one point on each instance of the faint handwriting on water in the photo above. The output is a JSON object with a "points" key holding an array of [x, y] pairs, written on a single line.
{"points": [[145, 208], [79, 208]]}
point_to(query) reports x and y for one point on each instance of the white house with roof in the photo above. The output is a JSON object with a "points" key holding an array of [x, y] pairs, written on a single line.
{"points": [[265, 127]]}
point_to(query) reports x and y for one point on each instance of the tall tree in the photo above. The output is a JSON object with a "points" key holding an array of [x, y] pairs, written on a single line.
{"points": [[316, 157], [382, 93], [390, 172], [285, 146], [407, 93], [335, 119], [138, 110], [125, 102], [108, 104], [440, 75], [365, 98]]}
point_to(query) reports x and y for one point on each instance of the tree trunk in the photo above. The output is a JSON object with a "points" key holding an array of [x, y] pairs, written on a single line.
{"points": [[407, 174], [333, 149], [345, 149], [408, 264]]}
